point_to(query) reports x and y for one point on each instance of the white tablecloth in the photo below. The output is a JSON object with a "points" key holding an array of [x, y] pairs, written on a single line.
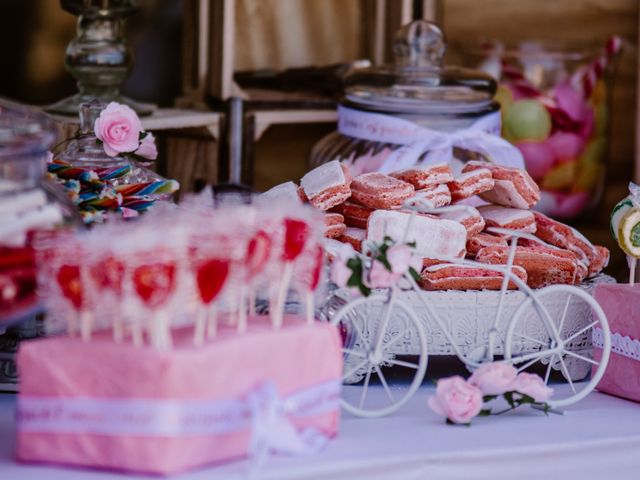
{"points": [[598, 438]]}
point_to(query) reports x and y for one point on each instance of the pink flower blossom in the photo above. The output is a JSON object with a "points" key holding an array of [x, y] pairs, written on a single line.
{"points": [[400, 258], [456, 399], [494, 378], [118, 127], [533, 386], [380, 277], [148, 147], [340, 272]]}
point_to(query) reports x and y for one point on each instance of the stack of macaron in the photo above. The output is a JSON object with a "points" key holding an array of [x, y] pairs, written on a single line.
{"points": [[373, 205]]}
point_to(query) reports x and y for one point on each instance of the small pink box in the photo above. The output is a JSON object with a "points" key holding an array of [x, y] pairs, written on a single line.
{"points": [[621, 303], [113, 406]]}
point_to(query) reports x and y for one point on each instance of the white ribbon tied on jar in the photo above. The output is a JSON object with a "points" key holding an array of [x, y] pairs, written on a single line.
{"points": [[424, 146]]}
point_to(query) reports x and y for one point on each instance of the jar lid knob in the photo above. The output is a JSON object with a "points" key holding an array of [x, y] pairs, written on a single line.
{"points": [[419, 44]]}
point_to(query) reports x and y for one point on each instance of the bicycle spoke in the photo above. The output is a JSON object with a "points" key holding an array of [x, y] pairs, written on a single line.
{"points": [[530, 362], [365, 387], [355, 369], [564, 314], [402, 363], [548, 372], [384, 383], [581, 357], [581, 331], [531, 339], [565, 371], [355, 353]]}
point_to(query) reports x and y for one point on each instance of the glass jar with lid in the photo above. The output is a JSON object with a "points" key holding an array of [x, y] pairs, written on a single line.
{"points": [[28, 203], [417, 111], [100, 184]]}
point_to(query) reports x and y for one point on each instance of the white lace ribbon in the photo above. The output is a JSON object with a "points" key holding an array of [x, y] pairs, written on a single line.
{"points": [[622, 345], [482, 137], [179, 418]]}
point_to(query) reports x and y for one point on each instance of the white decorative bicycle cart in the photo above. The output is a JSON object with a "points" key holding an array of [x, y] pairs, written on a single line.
{"points": [[548, 328]]}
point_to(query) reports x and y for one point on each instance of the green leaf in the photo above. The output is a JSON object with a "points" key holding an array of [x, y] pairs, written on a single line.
{"points": [[488, 398], [142, 135], [414, 274], [508, 396], [485, 412], [98, 141]]}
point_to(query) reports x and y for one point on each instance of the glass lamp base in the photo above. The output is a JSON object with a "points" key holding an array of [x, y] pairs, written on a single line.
{"points": [[71, 105]]}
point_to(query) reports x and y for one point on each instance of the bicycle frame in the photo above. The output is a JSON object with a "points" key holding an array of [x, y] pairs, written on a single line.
{"points": [[420, 205]]}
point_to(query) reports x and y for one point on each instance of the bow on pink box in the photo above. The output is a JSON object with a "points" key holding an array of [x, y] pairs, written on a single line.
{"points": [[272, 429]]}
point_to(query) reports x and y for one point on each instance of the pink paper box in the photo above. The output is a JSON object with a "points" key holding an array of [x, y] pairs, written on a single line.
{"points": [[111, 406], [621, 303]]}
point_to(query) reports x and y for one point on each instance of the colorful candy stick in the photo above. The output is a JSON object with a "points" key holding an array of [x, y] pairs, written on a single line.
{"points": [[162, 187], [113, 173], [138, 204], [67, 171]]}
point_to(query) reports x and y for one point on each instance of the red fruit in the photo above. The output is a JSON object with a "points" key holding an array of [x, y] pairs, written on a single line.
{"points": [[317, 268], [258, 252], [154, 283], [109, 274], [295, 237], [71, 284], [211, 275]]}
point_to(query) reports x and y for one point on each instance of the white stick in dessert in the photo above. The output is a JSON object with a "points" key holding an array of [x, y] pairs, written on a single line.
{"points": [[309, 307], [632, 262], [242, 311], [212, 322], [283, 288]]}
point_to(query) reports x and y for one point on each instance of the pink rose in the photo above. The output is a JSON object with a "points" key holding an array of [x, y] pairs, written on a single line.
{"points": [[456, 399], [400, 258], [533, 386], [118, 127], [340, 272], [148, 147], [380, 277], [494, 378]]}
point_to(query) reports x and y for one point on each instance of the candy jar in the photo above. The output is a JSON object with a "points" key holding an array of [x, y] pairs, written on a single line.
{"points": [[554, 105], [27, 204], [99, 183], [416, 111]]}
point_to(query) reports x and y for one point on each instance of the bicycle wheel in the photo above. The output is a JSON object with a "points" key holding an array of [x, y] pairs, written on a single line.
{"points": [[359, 322], [556, 335]]}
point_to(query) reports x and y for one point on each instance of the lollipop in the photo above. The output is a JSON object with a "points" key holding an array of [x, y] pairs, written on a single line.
{"points": [[108, 276], [296, 233], [625, 227], [211, 275], [256, 259], [154, 283], [309, 277], [70, 282]]}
